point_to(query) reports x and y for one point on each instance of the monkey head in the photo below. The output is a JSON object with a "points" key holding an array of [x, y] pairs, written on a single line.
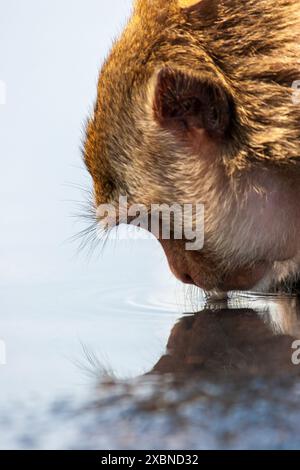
{"points": [[194, 106]]}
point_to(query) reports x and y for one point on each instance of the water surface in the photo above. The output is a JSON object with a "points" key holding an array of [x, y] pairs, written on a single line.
{"points": [[131, 371]]}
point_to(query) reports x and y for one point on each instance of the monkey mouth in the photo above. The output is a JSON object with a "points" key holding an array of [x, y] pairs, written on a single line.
{"points": [[197, 269], [244, 278]]}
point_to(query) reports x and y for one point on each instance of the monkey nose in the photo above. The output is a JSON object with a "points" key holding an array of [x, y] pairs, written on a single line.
{"points": [[182, 275], [186, 266]]}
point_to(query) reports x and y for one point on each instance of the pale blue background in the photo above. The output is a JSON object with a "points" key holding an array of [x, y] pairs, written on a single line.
{"points": [[122, 303]]}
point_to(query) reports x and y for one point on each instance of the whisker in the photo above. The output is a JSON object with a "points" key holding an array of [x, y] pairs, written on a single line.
{"points": [[90, 237]]}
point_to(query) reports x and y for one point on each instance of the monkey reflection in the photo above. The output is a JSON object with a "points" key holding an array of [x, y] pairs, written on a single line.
{"points": [[252, 340]]}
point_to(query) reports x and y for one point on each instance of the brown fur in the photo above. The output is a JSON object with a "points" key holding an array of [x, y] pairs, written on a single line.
{"points": [[251, 51]]}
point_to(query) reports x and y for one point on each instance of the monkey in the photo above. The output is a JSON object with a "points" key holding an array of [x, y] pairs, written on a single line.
{"points": [[195, 105]]}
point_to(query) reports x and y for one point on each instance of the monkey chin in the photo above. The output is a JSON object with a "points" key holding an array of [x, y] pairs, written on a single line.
{"points": [[245, 278], [282, 277], [201, 270], [265, 278], [242, 279], [261, 278]]}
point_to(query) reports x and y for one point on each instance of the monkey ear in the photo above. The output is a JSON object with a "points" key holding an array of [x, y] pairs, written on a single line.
{"points": [[185, 103]]}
